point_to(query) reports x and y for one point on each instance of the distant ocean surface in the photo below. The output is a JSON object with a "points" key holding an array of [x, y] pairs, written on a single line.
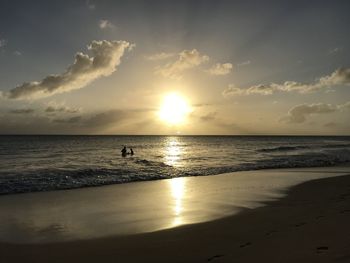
{"points": [[44, 163]]}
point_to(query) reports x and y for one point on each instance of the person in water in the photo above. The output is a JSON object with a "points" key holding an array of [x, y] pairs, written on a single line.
{"points": [[124, 151], [131, 151]]}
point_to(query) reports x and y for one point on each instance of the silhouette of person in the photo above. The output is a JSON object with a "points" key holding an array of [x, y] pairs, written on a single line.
{"points": [[131, 151], [124, 151]]}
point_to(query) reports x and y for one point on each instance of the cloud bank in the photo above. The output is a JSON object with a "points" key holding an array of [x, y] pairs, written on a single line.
{"points": [[340, 76], [299, 113], [105, 58], [220, 69], [187, 60], [22, 111], [53, 108]]}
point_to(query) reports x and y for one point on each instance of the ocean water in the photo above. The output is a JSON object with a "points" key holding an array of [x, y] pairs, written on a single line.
{"points": [[44, 163]]}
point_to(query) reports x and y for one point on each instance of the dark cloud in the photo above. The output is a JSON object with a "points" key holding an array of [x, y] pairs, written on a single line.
{"points": [[299, 113], [209, 116], [111, 121], [22, 111], [71, 120], [54, 109], [330, 124]]}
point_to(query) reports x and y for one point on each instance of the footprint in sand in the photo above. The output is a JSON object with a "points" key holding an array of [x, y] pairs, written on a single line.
{"points": [[245, 245], [215, 257], [322, 249], [300, 224], [270, 232]]}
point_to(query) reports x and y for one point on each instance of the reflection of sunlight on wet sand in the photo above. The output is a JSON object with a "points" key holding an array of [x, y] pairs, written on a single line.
{"points": [[172, 151], [177, 186]]}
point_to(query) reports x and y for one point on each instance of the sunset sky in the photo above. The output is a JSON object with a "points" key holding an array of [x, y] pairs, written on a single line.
{"points": [[241, 67]]}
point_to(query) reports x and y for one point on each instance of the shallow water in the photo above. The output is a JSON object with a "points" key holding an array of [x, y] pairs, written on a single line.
{"points": [[43, 163], [98, 212]]}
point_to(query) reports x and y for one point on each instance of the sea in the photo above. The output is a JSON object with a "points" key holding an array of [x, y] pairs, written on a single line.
{"points": [[34, 163]]}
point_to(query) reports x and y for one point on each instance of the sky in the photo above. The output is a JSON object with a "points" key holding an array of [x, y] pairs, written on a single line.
{"points": [[243, 67]]}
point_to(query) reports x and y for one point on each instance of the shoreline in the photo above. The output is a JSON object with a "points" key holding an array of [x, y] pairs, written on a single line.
{"points": [[310, 224], [143, 207], [341, 166]]}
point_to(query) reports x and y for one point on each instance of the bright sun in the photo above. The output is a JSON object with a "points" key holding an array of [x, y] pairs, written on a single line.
{"points": [[174, 109]]}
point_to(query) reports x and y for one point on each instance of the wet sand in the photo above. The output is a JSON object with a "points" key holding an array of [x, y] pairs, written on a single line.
{"points": [[310, 224]]}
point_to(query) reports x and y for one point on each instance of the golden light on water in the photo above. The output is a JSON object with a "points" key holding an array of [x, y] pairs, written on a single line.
{"points": [[177, 186], [172, 151], [172, 155], [174, 109]]}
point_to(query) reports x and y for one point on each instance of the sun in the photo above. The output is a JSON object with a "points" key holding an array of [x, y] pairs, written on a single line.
{"points": [[174, 109]]}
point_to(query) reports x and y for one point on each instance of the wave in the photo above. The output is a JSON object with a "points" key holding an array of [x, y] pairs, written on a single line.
{"points": [[146, 170], [151, 163], [283, 148], [303, 147]]}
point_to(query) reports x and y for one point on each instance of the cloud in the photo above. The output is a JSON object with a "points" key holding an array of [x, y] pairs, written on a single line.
{"points": [[105, 58], [3, 43], [330, 124], [344, 106], [105, 118], [17, 53], [187, 60], [90, 5], [53, 108], [244, 63], [105, 24], [70, 120], [110, 121], [231, 91], [209, 116], [335, 50], [299, 113], [159, 56], [340, 76], [22, 111], [220, 69]]}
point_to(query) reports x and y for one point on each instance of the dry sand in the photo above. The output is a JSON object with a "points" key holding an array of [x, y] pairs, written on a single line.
{"points": [[310, 224]]}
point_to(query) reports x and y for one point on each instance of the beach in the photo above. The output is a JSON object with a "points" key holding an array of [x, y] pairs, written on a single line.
{"points": [[305, 220]]}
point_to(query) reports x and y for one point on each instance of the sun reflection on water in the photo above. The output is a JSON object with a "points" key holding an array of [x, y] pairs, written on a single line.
{"points": [[177, 186], [173, 151]]}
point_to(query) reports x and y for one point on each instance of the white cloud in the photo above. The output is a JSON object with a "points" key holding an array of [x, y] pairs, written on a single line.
{"points": [[244, 63], [17, 53], [187, 60], [299, 113], [340, 76], [105, 24], [105, 58], [232, 90], [159, 56], [220, 69], [22, 111]]}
